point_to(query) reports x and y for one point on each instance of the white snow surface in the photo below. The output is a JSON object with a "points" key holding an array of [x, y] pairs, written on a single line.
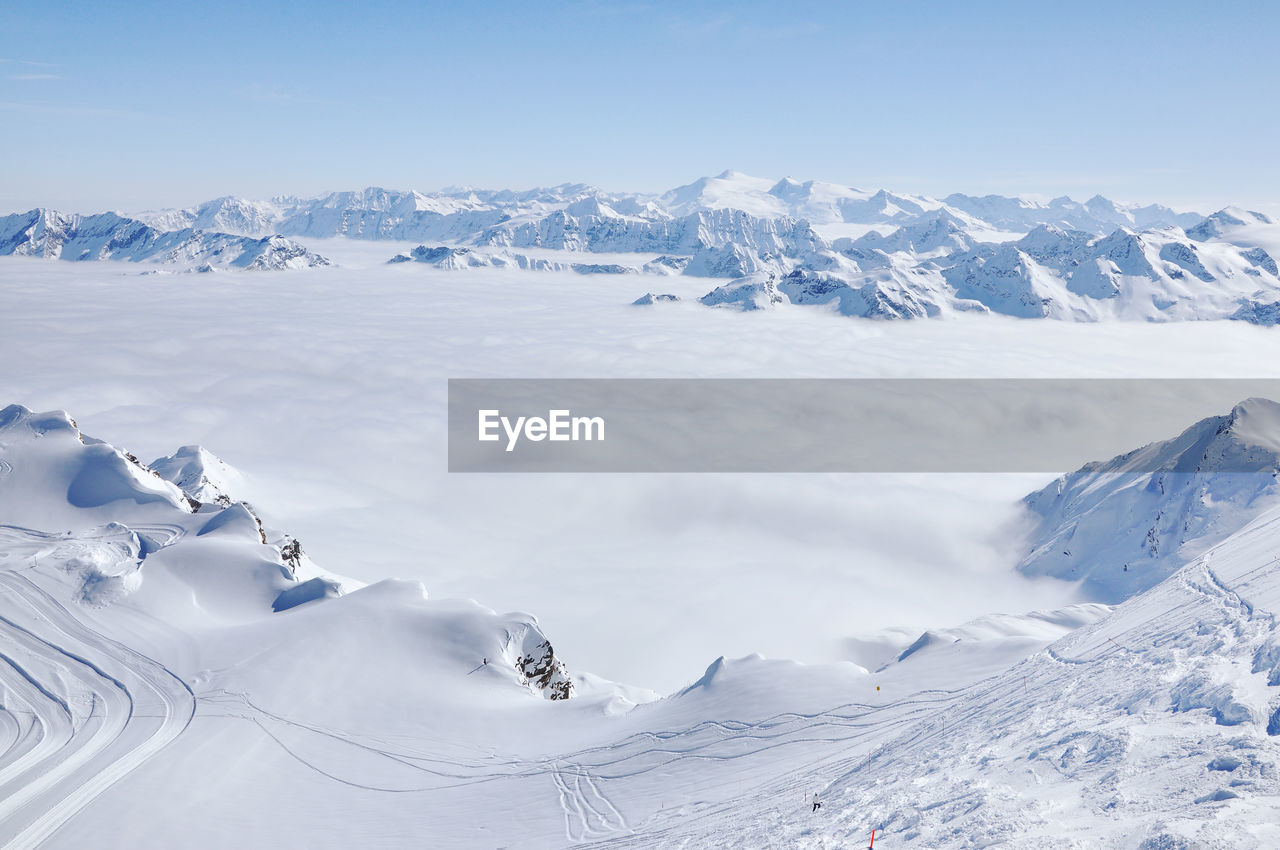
{"points": [[143, 660]]}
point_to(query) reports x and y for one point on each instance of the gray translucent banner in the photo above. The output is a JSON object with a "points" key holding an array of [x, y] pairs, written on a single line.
{"points": [[821, 425]]}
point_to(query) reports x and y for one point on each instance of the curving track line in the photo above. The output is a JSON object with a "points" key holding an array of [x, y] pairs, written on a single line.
{"points": [[84, 710]]}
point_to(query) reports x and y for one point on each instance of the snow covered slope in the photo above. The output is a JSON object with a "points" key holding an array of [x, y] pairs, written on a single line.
{"points": [[167, 663], [1154, 727], [1124, 525], [197, 586]]}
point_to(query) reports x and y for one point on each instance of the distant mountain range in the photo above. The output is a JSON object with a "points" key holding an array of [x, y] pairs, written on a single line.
{"points": [[871, 254], [554, 217]]}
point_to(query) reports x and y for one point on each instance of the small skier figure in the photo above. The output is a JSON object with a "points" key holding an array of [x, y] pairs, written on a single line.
{"points": [[484, 662], [816, 806]]}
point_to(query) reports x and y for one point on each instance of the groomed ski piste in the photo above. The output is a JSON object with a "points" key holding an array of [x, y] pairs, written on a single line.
{"points": [[175, 673]]}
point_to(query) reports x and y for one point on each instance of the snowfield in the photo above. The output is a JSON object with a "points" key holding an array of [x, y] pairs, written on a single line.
{"points": [[147, 649], [236, 589]]}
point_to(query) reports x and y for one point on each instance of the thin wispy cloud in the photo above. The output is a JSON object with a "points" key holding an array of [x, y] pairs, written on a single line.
{"points": [[74, 110], [25, 70], [28, 63]]}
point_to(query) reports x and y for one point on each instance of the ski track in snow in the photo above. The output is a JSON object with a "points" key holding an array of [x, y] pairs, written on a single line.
{"points": [[81, 710], [721, 759], [1124, 671], [588, 813]]}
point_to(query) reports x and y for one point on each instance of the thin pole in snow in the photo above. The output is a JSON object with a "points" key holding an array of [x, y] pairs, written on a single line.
{"points": [[872, 845]]}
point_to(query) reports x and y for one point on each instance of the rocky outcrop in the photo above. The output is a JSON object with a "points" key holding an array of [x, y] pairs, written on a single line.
{"points": [[534, 659]]}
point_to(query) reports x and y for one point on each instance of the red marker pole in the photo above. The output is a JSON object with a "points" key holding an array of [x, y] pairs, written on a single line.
{"points": [[872, 845]]}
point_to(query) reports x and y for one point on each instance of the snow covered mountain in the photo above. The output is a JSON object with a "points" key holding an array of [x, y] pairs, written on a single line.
{"points": [[879, 295], [222, 215], [1098, 215], [1124, 525], [937, 232], [456, 259], [107, 236], [199, 473], [595, 229], [814, 201], [1159, 275], [1226, 221], [1149, 275]]}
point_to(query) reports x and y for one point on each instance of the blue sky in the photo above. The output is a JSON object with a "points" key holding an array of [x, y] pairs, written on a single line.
{"points": [[161, 104]]}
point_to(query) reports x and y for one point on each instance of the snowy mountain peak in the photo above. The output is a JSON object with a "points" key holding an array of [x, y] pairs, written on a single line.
{"points": [[1227, 221], [1101, 205], [15, 415], [198, 473], [728, 190], [1255, 424], [791, 190], [1048, 240], [1240, 215]]}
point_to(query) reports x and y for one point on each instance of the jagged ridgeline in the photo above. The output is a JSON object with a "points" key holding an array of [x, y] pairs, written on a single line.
{"points": [[778, 243], [108, 236]]}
